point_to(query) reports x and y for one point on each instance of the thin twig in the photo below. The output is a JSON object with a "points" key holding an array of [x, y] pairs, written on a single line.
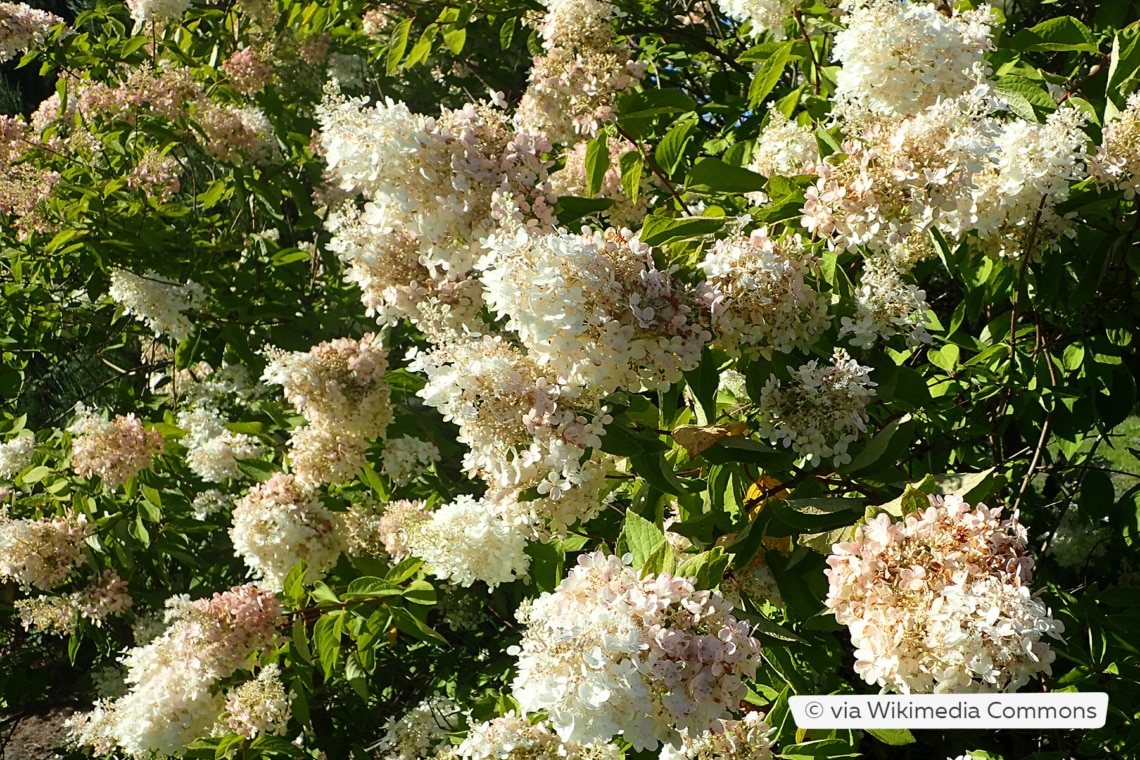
{"points": [[653, 166]]}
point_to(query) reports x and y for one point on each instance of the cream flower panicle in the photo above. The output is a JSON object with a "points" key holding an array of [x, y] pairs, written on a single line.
{"points": [[939, 601]]}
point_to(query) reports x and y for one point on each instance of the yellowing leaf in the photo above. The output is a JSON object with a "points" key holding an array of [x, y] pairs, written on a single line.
{"points": [[696, 439]]}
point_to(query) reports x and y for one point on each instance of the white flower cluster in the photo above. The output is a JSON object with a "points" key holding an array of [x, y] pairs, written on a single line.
{"points": [[115, 450], [758, 293], [523, 428], [41, 553], [435, 187], [257, 707], [1117, 160], [572, 179], [744, 739], [785, 148], [594, 309], [157, 11], [22, 27], [764, 15], [885, 306], [940, 601], [901, 57], [172, 698], [465, 542], [650, 658], [213, 450], [1032, 172], [584, 67], [897, 176], [339, 386], [421, 732], [208, 503], [514, 738], [157, 301], [405, 457], [821, 412], [15, 455], [278, 524], [388, 265]]}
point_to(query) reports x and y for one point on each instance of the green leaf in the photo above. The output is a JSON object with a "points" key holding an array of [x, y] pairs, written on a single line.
{"points": [[1123, 68], [945, 358], [422, 48], [258, 469], [546, 564], [714, 175], [420, 592], [822, 542], [621, 441], [706, 569], [327, 636], [597, 163], [661, 560], [405, 570], [769, 74], [506, 32], [301, 639], [813, 515], [658, 230], [1063, 33], [640, 537], [766, 627], [876, 447], [455, 40], [228, 745], [632, 167], [408, 623], [217, 190], [570, 209], [370, 587], [323, 594], [671, 149], [652, 102], [658, 473], [894, 737], [832, 749]]}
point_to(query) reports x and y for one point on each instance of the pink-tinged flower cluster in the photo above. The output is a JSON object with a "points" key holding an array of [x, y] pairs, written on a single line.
{"points": [[523, 427], [759, 296], [173, 697], [115, 450], [61, 614], [41, 553], [939, 601], [231, 133], [339, 386], [248, 73], [278, 524], [574, 84], [22, 28], [652, 658]]}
